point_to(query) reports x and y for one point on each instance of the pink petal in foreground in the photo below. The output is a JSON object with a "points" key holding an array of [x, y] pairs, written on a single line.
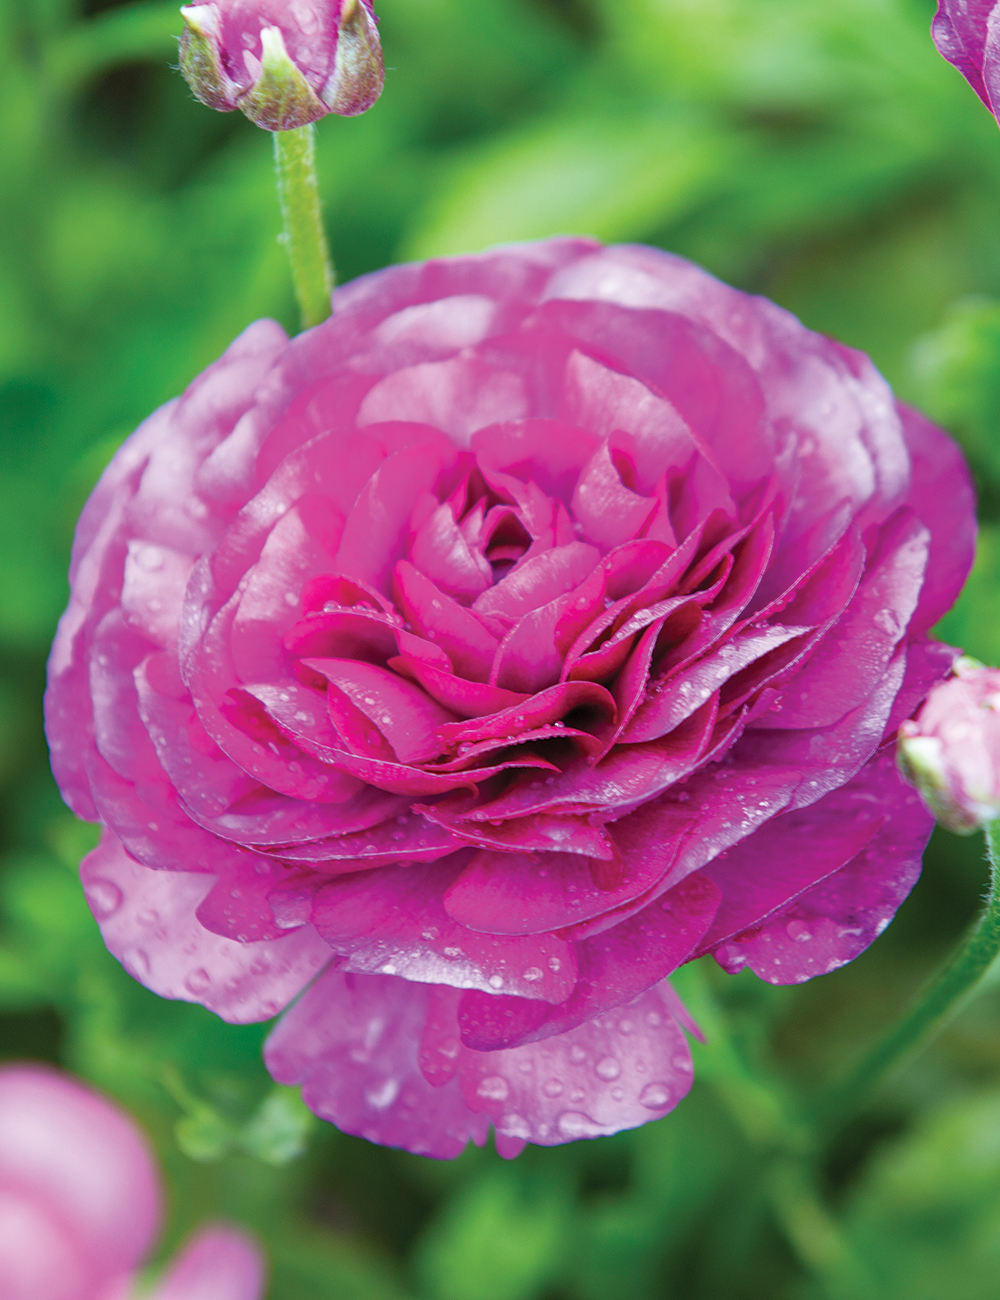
{"points": [[39, 1259], [148, 921], [219, 1263], [82, 1164], [354, 1041]]}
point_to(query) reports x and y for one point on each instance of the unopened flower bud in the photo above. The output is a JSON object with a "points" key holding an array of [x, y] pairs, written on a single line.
{"points": [[284, 63], [951, 750]]}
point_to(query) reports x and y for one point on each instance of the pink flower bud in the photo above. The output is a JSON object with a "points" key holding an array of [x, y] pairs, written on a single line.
{"points": [[284, 63], [951, 751]]}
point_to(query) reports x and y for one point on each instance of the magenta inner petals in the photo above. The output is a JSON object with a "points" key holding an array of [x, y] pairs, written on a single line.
{"points": [[533, 626]]}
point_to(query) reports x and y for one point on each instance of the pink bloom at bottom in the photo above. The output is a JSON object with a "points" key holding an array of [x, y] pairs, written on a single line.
{"points": [[538, 623], [80, 1204]]}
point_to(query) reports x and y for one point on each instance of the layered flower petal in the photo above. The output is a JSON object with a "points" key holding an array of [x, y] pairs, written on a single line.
{"points": [[535, 624]]}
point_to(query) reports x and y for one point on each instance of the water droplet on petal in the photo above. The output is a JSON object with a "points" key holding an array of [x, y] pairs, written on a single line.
{"points": [[104, 897], [655, 1095], [198, 981], [553, 1087], [494, 1088], [514, 1126], [137, 963], [607, 1068], [573, 1124], [382, 1095]]}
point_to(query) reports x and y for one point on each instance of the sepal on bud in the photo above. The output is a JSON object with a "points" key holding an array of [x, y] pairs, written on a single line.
{"points": [[359, 69], [199, 58], [280, 99]]}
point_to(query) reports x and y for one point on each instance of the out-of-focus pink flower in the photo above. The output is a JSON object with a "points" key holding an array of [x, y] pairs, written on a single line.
{"points": [[951, 750], [80, 1203], [283, 64], [967, 34], [541, 621]]}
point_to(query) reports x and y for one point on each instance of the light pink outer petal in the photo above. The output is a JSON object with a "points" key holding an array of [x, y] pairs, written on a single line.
{"points": [[515, 275], [353, 1043], [148, 921], [218, 1263], [847, 430], [942, 496], [81, 1161], [148, 493], [616, 1072]]}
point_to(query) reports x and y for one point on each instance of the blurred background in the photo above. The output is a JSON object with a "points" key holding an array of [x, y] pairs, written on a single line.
{"points": [[820, 153]]}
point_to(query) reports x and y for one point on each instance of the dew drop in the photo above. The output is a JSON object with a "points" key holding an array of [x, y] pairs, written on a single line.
{"points": [[532, 974], [104, 897], [607, 1068], [514, 1126], [798, 931], [494, 1088], [198, 981], [577, 1053], [379, 1096], [655, 1095], [553, 1087], [574, 1124], [139, 962]]}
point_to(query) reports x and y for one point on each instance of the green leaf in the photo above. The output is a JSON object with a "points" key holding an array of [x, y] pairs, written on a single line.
{"points": [[612, 177], [926, 1220], [279, 1132], [496, 1240]]}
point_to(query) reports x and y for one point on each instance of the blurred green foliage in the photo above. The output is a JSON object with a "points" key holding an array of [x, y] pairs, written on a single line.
{"points": [[822, 154]]}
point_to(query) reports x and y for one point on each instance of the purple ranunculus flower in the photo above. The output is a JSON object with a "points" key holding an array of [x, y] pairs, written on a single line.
{"points": [[542, 620], [951, 750], [967, 34], [80, 1204], [284, 63]]}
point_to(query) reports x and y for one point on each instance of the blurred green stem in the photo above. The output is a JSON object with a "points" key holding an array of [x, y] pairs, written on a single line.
{"points": [[941, 999], [304, 237]]}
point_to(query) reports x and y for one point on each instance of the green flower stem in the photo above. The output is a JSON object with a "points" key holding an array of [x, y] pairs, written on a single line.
{"points": [[941, 999], [304, 237]]}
